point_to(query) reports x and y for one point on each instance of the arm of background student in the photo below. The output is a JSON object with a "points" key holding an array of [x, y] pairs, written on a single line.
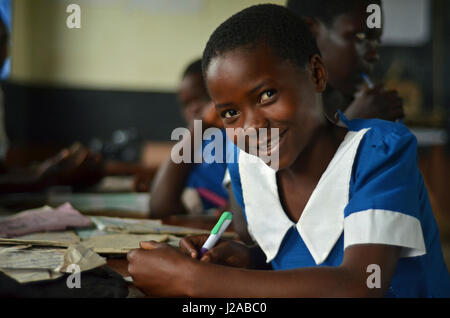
{"points": [[74, 166], [376, 103], [169, 184], [166, 271]]}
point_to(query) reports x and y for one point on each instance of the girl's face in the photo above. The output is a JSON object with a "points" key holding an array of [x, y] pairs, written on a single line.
{"points": [[252, 89]]}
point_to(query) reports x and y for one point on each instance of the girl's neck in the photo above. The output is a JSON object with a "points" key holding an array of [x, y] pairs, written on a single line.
{"points": [[314, 159], [334, 100]]}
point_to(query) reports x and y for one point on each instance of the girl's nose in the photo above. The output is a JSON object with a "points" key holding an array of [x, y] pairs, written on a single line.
{"points": [[254, 119]]}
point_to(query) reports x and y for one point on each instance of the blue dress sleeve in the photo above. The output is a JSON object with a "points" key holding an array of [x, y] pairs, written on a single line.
{"points": [[385, 191]]}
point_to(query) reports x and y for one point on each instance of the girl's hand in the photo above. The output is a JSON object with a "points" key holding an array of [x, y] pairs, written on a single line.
{"points": [[161, 270], [229, 253]]}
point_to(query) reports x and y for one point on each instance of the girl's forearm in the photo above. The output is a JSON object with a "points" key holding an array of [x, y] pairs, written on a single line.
{"points": [[220, 281]]}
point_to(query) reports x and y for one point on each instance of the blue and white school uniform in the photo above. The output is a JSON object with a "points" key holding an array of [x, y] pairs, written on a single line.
{"points": [[207, 177], [371, 192]]}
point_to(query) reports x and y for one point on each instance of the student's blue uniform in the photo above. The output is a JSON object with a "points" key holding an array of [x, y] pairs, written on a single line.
{"points": [[209, 176], [371, 192]]}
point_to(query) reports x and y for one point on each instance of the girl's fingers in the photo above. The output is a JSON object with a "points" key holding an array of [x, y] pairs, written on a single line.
{"points": [[206, 258], [217, 254], [188, 247], [149, 245]]}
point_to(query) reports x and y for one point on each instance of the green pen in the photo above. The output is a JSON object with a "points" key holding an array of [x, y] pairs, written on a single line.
{"points": [[216, 232]]}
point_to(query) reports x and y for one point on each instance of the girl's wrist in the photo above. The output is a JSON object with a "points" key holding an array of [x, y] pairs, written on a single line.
{"points": [[194, 275]]}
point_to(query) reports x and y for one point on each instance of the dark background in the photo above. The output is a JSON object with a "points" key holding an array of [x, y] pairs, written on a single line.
{"points": [[59, 116]]}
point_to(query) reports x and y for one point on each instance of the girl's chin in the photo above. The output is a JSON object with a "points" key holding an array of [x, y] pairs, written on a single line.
{"points": [[277, 163]]}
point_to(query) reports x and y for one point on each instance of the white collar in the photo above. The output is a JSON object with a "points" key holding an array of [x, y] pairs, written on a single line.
{"points": [[322, 220]]}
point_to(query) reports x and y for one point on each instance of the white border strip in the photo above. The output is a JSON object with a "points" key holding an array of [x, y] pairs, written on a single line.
{"points": [[385, 227]]}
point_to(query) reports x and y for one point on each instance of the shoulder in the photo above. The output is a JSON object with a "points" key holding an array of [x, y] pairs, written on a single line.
{"points": [[384, 141], [385, 171], [382, 131]]}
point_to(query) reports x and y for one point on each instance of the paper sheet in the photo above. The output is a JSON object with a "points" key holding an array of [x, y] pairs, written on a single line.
{"points": [[26, 264], [84, 257], [54, 239], [134, 226], [174, 241], [30, 275], [120, 243], [106, 223], [32, 258], [43, 219], [85, 233], [69, 237], [5, 241], [132, 202], [27, 275]]}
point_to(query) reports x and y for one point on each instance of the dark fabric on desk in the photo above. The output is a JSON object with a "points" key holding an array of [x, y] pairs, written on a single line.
{"points": [[97, 283]]}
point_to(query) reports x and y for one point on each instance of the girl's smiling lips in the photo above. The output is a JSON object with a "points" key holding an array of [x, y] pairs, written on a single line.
{"points": [[266, 147]]}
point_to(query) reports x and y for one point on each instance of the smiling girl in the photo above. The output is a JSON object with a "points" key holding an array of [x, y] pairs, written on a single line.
{"points": [[342, 200]]}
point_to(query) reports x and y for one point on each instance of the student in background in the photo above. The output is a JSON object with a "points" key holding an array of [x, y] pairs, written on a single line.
{"points": [[199, 184], [75, 166], [369, 211], [348, 48]]}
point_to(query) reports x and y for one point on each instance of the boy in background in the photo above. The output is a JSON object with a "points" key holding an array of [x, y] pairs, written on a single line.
{"points": [[187, 187], [348, 48]]}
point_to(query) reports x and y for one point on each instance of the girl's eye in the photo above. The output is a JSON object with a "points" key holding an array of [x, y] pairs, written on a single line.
{"points": [[267, 95], [229, 113]]}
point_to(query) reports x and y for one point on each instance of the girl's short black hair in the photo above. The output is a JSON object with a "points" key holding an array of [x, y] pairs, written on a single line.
{"points": [[268, 24]]}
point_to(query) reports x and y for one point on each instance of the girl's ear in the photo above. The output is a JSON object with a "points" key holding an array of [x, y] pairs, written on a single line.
{"points": [[319, 73]]}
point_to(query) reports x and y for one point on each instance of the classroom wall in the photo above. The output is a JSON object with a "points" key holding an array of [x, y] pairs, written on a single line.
{"points": [[121, 69], [122, 44]]}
